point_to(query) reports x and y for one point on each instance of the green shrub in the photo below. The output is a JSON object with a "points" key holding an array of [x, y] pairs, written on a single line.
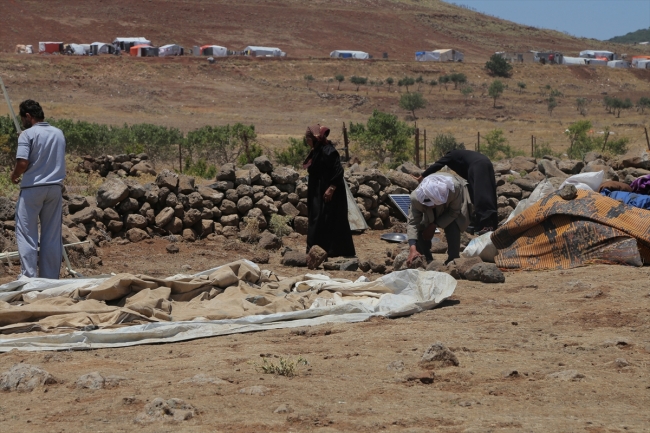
{"points": [[498, 66], [295, 154], [200, 169], [384, 136], [279, 225], [497, 146], [444, 143]]}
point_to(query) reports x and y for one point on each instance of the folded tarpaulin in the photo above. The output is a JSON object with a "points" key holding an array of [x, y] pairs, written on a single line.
{"points": [[126, 310], [560, 234], [641, 201]]}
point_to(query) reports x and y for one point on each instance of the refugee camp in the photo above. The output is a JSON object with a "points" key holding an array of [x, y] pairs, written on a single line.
{"points": [[403, 216]]}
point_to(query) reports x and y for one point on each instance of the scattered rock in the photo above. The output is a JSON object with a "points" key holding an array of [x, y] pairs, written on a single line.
{"points": [[350, 265], [111, 193], [172, 248], [167, 179], [25, 377], [283, 408], [438, 356], [295, 259], [255, 390], [568, 192], [566, 376], [137, 235], [269, 241], [260, 257], [403, 180], [395, 366], [465, 264], [550, 169], [301, 224], [202, 379], [226, 172], [263, 164], [316, 257], [95, 380], [173, 410]]}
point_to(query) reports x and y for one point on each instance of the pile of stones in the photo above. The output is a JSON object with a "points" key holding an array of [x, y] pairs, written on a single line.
{"points": [[121, 165]]}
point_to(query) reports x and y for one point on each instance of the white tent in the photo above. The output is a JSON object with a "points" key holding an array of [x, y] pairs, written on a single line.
{"points": [[252, 50], [643, 64], [591, 54], [573, 60], [170, 50], [77, 49], [214, 51], [446, 55], [636, 60], [347, 54], [127, 43], [596, 62], [618, 64], [97, 48]]}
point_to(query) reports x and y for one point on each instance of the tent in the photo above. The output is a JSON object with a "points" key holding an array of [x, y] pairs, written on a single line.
{"points": [[643, 64], [50, 47], [255, 51], [77, 49], [596, 62], [573, 61], [591, 54], [97, 48], [170, 50], [637, 59], [127, 43], [618, 64], [347, 54], [214, 50], [136, 50], [446, 55]]}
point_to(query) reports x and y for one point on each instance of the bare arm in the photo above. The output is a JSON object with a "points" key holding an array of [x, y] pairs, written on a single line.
{"points": [[21, 167]]}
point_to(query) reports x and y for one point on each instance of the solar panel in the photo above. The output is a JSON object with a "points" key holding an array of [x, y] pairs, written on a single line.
{"points": [[403, 203]]}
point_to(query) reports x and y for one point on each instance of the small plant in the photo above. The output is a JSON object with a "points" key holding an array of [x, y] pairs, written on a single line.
{"points": [[285, 366], [556, 93], [309, 79], [419, 80], [444, 143], [432, 84], [458, 78], [444, 80], [552, 104], [521, 86], [200, 169], [390, 82], [250, 231], [496, 90], [295, 154], [642, 104], [358, 81], [7, 187], [581, 106], [497, 146], [340, 78], [279, 225], [466, 91]]}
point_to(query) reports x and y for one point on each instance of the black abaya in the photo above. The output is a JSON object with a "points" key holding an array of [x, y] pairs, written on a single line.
{"points": [[478, 171], [328, 222]]}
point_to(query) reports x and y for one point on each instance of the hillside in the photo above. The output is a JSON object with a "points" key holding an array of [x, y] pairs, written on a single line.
{"points": [[642, 35], [301, 28]]}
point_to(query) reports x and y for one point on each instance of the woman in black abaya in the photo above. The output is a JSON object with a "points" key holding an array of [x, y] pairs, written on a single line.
{"points": [[326, 198]]}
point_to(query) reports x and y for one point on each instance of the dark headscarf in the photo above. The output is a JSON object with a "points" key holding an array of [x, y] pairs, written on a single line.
{"points": [[319, 135]]}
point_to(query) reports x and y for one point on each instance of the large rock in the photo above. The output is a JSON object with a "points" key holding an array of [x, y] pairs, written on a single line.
{"points": [[295, 259], [75, 204], [111, 193], [136, 235], [84, 216], [128, 205], [25, 378], [135, 189], [463, 265], [485, 273], [175, 226], [226, 172], [285, 175], [524, 184], [301, 224], [167, 179], [151, 192], [509, 190], [245, 190], [289, 210], [266, 205], [135, 220], [571, 166], [522, 163], [259, 216], [502, 167], [165, 217], [410, 168], [269, 241], [210, 194], [263, 164], [142, 167], [244, 204], [230, 220], [316, 257], [402, 179], [242, 177], [191, 217], [609, 173], [438, 356], [185, 184], [365, 191], [228, 207], [550, 169]]}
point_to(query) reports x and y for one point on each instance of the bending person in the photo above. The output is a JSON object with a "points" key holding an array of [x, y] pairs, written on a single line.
{"points": [[478, 171], [327, 202], [40, 161], [441, 200]]}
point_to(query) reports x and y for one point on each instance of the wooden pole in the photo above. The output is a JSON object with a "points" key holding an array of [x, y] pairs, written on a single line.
{"points": [[346, 142], [417, 146], [180, 157], [425, 147], [532, 146], [605, 142], [646, 137], [478, 141]]}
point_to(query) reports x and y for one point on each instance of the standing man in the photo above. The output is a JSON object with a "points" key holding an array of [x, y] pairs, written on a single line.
{"points": [[478, 171], [41, 162]]}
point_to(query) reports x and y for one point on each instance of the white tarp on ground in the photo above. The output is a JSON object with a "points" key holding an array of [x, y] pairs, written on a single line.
{"points": [[573, 60], [446, 55], [253, 50], [347, 54], [334, 301], [618, 64]]}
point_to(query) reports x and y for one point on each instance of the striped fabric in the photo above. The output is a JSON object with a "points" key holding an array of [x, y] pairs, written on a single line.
{"points": [[560, 234]]}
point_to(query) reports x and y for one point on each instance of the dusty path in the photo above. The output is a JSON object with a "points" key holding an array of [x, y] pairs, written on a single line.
{"points": [[590, 325]]}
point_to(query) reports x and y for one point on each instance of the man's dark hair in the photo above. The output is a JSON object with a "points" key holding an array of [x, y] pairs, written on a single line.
{"points": [[33, 108]]}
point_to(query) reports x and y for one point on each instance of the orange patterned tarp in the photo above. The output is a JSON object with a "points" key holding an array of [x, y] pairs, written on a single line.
{"points": [[561, 234]]}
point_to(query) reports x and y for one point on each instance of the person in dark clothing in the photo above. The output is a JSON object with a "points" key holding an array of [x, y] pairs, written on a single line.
{"points": [[478, 171], [327, 202]]}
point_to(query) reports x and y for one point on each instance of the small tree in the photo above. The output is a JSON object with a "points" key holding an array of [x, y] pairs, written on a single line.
{"points": [[390, 82], [581, 106], [643, 103], [358, 81], [444, 143], [551, 104], [496, 90], [432, 84], [444, 80], [458, 78], [497, 146], [579, 142], [406, 82], [466, 91], [293, 155], [498, 66], [309, 79], [340, 78], [521, 86], [384, 136], [412, 101], [379, 84], [419, 80]]}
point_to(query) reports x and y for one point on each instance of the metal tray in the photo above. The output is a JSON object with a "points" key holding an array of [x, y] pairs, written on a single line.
{"points": [[394, 237]]}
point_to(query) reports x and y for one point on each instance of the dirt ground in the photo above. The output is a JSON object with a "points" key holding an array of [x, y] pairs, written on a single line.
{"points": [[590, 325]]}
